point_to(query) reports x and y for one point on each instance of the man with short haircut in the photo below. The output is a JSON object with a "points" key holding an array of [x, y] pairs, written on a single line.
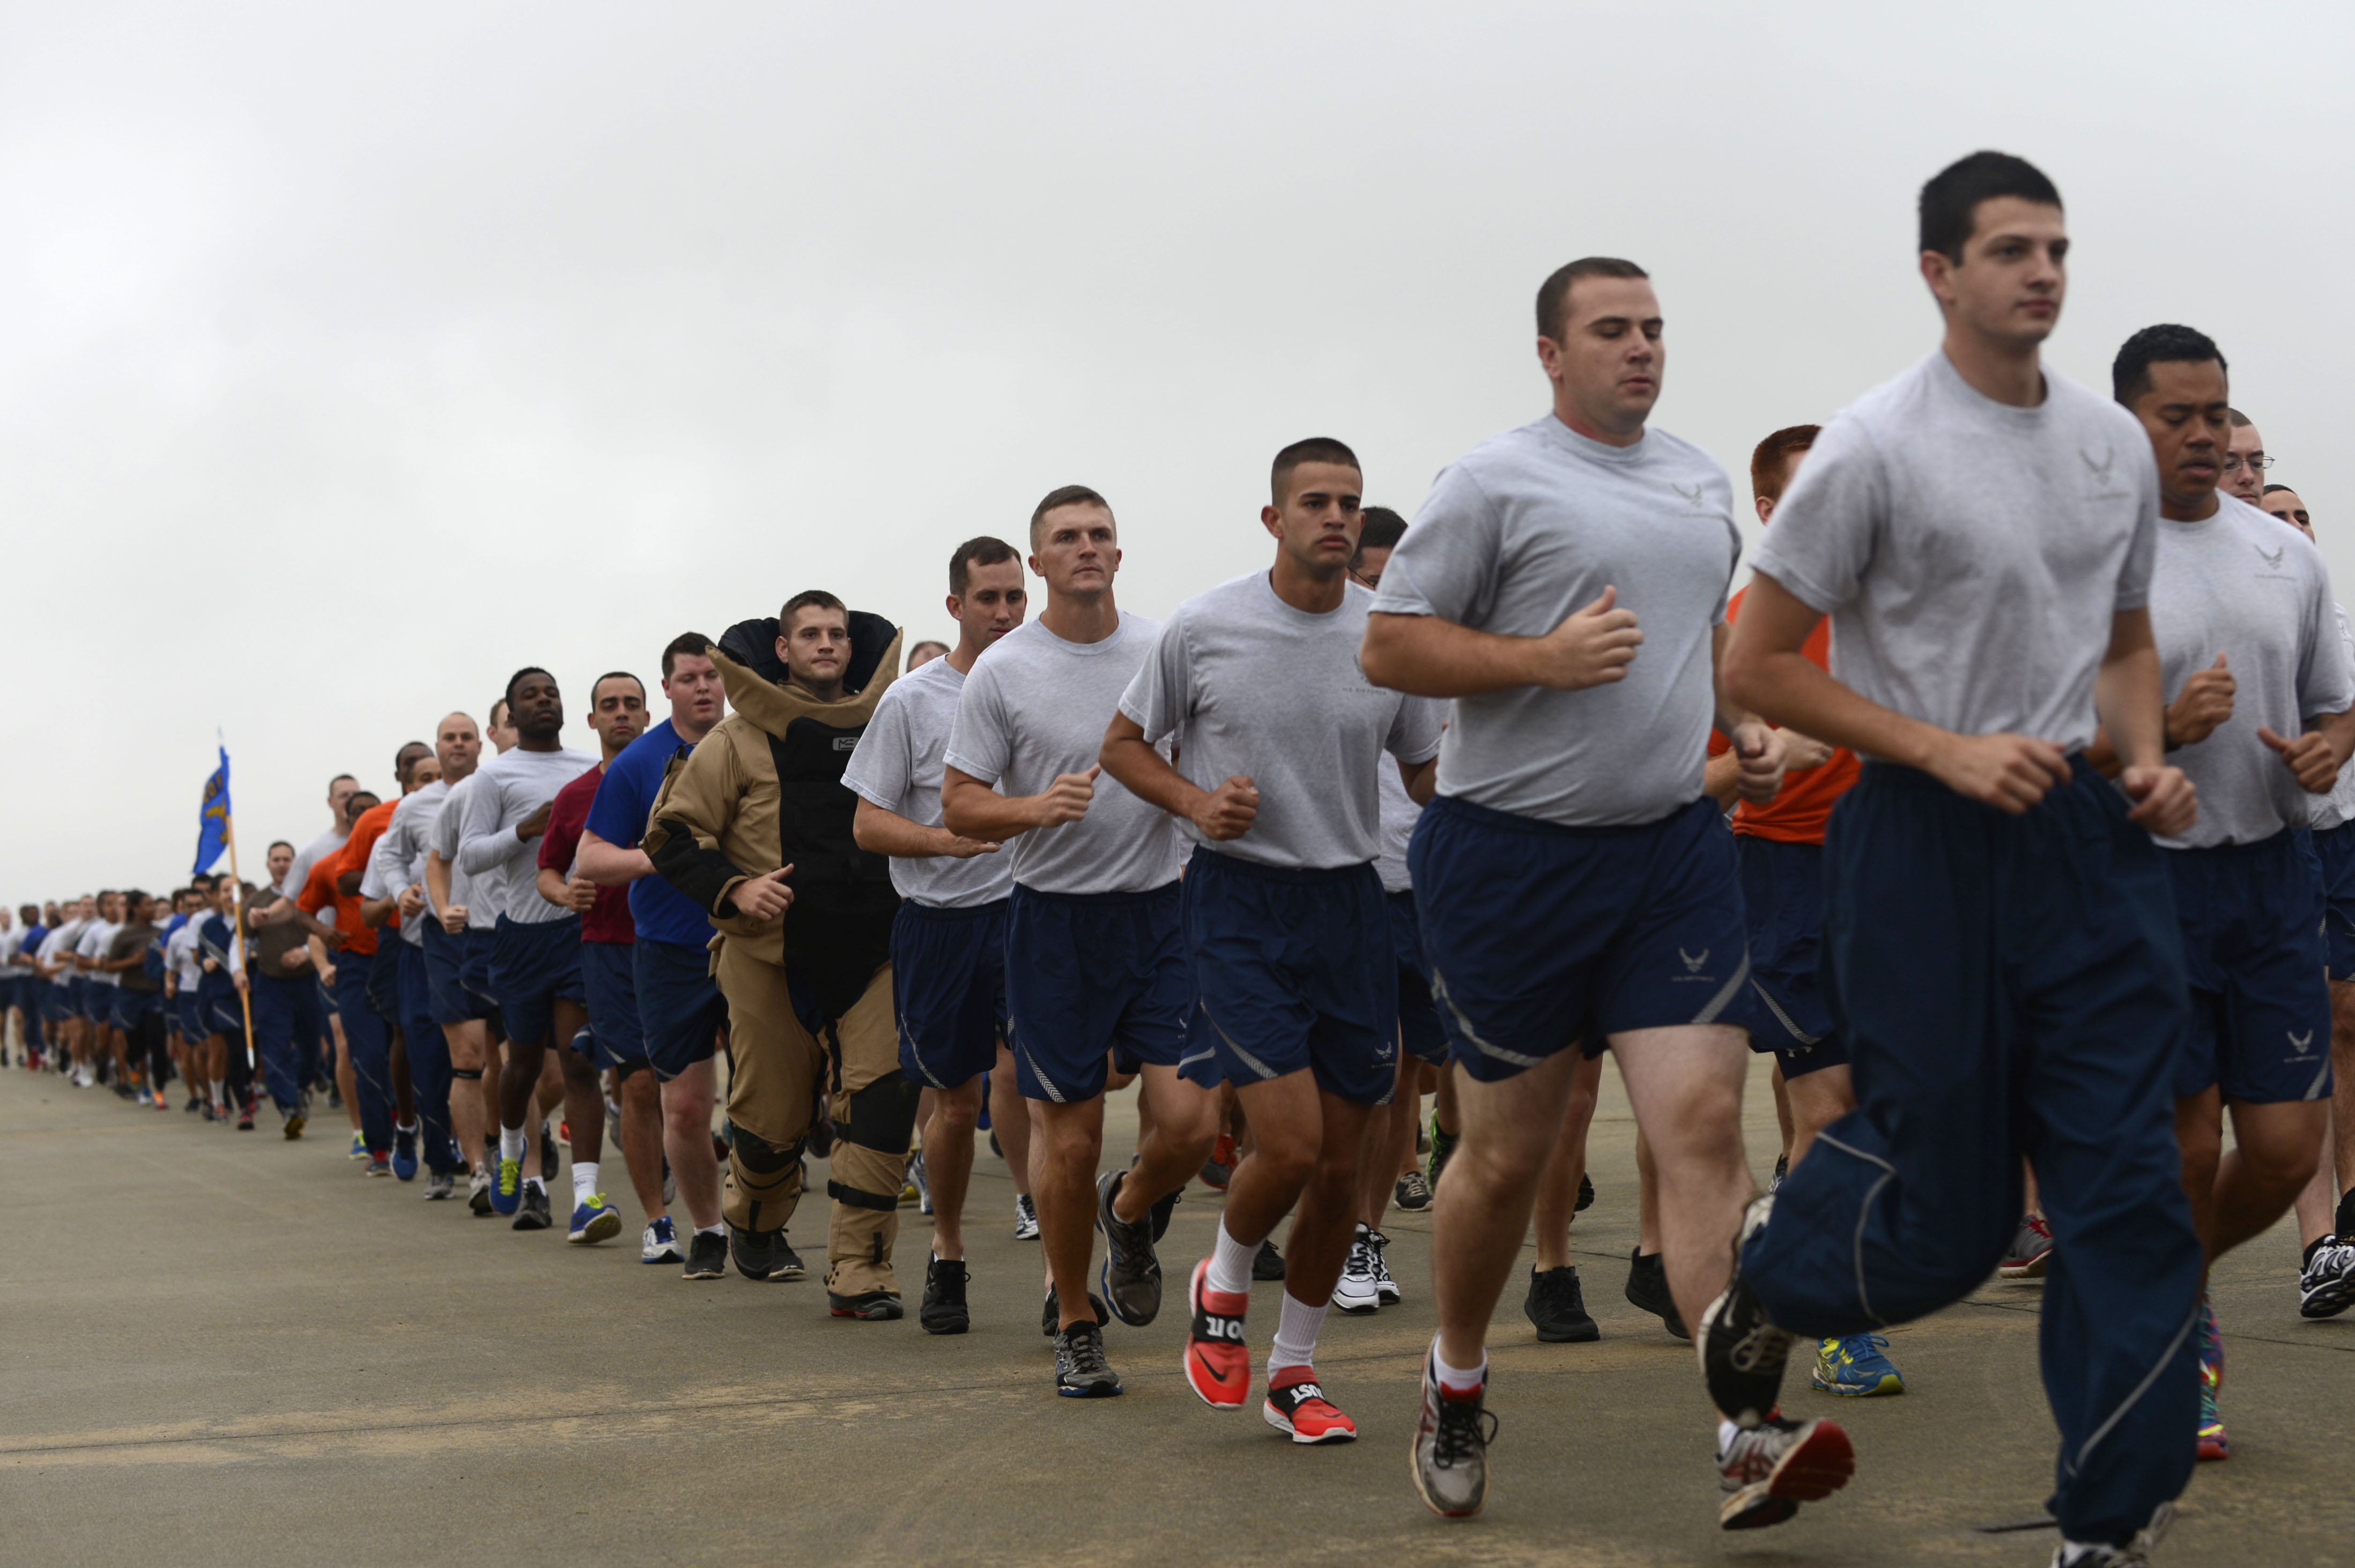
{"points": [[458, 956], [57, 965], [368, 1044], [680, 1011], [1295, 980], [1096, 960], [614, 1041], [948, 940], [98, 989], [2242, 476], [298, 873], [183, 979], [535, 969], [2282, 503], [1578, 890], [2000, 944], [925, 653], [756, 828], [288, 1021], [137, 1016]]}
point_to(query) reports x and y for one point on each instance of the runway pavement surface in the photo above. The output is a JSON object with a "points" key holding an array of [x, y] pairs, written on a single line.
{"points": [[222, 1348]]}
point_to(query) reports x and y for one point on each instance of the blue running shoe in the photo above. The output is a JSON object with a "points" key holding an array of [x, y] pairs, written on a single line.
{"points": [[593, 1221], [359, 1144], [660, 1243], [1853, 1364], [404, 1152], [506, 1187]]}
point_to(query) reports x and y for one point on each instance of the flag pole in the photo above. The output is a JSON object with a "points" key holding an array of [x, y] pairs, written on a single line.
{"points": [[236, 932]]}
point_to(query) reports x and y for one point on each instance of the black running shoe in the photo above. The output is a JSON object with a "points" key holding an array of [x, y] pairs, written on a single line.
{"points": [[1782, 1169], [788, 1263], [1412, 1193], [1267, 1263], [1742, 1352], [532, 1213], [763, 1255], [547, 1154], [707, 1256], [1648, 1287], [1557, 1306], [1050, 1316], [943, 1309], [1081, 1369], [1585, 1194], [1163, 1208], [1131, 1274], [872, 1307]]}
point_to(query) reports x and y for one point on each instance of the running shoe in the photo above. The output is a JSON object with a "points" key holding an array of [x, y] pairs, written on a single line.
{"points": [[1451, 1445], [196, 1103], [2134, 1553], [1443, 1144], [1384, 1285], [377, 1165], [438, 1186], [1026, 1219], [1355, 1292], [1585, 1194], [1742, 1352], [547, 1154], [245, 1114], [291, 1130], [1217, 1361], [1767, 1471], [1412, 1192], [1297, 1407], [1782, 1169], [763, 1254], [404, 1152], [593, 1221], [1051, 1316], [944, 1310], [659, 1243], [533, 1213], [2212, 1442], [1220, 1169], [1854, 1364], [1648, 1287], [1081, 1369], [1557, 1304], [1163, 1207], [359, 1144], [707, 1256], [2030, 1251], [923, 1185], [1267, 1263], [507, 1189], [867, 1306], [478, 1190], [2326, 1285], [1131, 1276]]}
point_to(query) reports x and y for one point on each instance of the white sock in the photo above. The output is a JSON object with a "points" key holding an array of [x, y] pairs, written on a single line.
{"points": [[510, 1143], [584, 1179], [1726, 1432], [1231, 1263], [1458, 1378], [536, 1181], [719, 1230], [1296, 1335], [217, 1091], [408, 1128]]}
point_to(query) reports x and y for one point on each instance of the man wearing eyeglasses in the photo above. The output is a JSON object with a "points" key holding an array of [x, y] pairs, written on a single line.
{"points": [[2245, 461]]}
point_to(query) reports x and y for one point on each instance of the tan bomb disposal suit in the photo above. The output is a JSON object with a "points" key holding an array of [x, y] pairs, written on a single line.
{"points": [[809, 993]]}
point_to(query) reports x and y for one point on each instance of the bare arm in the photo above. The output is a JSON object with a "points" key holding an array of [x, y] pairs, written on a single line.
{"points": [[1756, 749], [882, 832], [609, 865], [972, 809], [1421, 779], [2319, 752], [2129, 695], [1222, 814], [1432, 657]]}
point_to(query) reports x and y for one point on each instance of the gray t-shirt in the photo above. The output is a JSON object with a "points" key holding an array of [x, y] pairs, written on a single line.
{"points": [[442, 838], [897, 766], [505, 868], [1036, 706], [1400, 813], [310, 855], [1248, 685], [2240, 584], [398, 857], [2338, 809], [1522, 532], [1972, 555]]}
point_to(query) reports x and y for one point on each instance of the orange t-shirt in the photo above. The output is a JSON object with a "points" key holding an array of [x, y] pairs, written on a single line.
{"points": [[1798, 814], [319, 890]]}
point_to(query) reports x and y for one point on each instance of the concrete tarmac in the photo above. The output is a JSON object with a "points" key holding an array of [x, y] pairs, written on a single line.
{"points": [[224, 1347]]}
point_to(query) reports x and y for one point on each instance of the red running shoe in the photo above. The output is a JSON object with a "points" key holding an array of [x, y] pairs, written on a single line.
{"points": [[1218, 1363], [1297, 1407], [1768, 1471]]}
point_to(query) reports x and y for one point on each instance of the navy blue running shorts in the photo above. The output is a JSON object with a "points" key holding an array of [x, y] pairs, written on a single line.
{"points": [[2251, 921], [1293, 969], [534, 964], [2334, 852], [1088, 974], [97, 1000], [609, 971], [948, 985], [1784, 1006], [384, 977], [130, 1007], [680, 1009], [1542, 937], [1418, 1016], [457, 974]]}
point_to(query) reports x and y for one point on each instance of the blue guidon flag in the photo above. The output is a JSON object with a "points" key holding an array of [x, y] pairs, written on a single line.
{"points": [[212, 817]]}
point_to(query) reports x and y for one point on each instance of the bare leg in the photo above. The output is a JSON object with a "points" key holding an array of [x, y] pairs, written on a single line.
{"points": [[1177, 1123], [1009, 1119], [1067, 1143], [1783, 1118], [1816, 1100], [2334, 1171], [687, 1102], [948, 1162], [1685, 1085], [1482, 1210], [467, 1043], [1557, 1192], [641, 1137], [2274, 1153]]}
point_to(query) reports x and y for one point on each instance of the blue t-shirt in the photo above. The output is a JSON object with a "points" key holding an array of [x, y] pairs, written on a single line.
{"points": [[624, 799]]}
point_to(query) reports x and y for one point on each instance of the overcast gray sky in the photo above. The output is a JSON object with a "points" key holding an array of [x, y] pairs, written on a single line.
{"points": [[351, 357]]}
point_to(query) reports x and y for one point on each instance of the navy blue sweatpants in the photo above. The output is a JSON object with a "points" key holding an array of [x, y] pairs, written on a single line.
{"points": [[2008, 986], [371, 1048]]}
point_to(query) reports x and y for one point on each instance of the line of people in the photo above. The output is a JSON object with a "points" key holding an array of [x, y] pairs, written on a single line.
{"points": [[2008, 806]]}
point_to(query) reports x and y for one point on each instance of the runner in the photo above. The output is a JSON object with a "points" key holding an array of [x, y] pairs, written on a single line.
{"points": [[183, 985], [536, 948], [614, 1041], [1576, 888], [137, 1014], [335, 1076], [288, 1020], [2279, 501], [458, 960], [221, 963], [1295, 974], [680, 1011], [1095, 961], [365, 1044], [948, 941], [102, 1055], [804, 965], [2242, 476], [393, 890], [1981, 531], [2260, 724]]}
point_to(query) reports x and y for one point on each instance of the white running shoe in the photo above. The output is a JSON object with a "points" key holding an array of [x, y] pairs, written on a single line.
{"points": [[1357, 1292], [1384, 1285], [1026, 1219], [2327, 1284], [659, 1244]]}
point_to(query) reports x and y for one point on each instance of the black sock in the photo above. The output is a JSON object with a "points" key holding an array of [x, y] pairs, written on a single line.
{"points": [[2345, 1222]]}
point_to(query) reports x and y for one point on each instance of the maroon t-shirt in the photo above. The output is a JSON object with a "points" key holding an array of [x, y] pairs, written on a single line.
{"points": [[608, 919]]}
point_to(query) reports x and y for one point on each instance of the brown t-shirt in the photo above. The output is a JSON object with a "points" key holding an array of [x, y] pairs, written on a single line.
{"points": [[132, 942], [272, 943]]}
